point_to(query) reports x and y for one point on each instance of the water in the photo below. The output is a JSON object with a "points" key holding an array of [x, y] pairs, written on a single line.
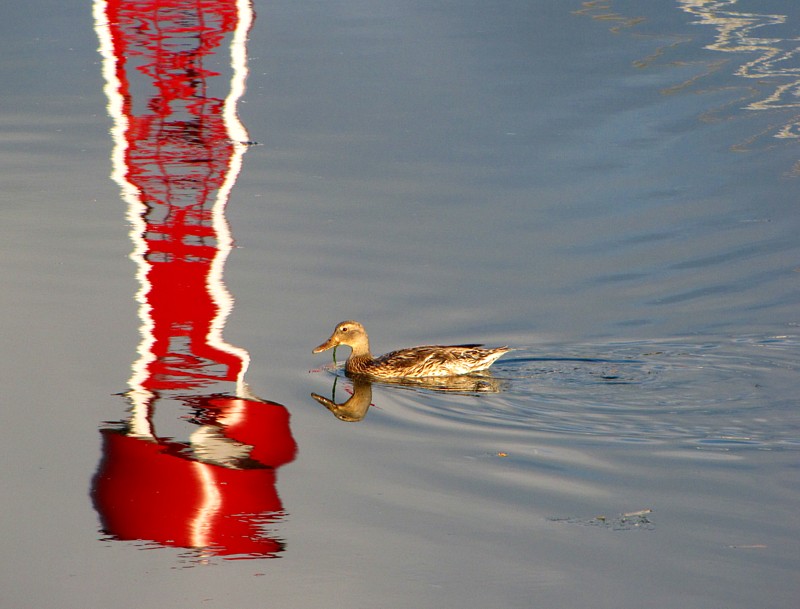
{"points": [[608, 188]]}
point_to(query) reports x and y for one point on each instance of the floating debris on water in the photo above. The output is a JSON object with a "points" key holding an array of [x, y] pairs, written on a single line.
{"points": [[628, 521]]}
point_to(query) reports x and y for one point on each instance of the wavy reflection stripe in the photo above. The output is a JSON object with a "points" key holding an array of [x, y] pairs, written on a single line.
{"points": [[736, 34], [201, 523], [130, 193], [238, 136]]}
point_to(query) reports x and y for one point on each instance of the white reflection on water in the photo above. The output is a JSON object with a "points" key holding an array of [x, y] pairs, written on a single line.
{"points": [[772, 58], [775, 57]]}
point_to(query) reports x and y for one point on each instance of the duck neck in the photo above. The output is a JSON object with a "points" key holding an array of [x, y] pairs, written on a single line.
{"points": [[360, 358], [361, 351]]}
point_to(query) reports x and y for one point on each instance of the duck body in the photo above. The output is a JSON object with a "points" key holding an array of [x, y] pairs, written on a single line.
{"points": [[415, 362]]}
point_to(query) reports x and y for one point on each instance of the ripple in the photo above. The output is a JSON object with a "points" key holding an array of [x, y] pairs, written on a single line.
{"points": [[732, 395]]}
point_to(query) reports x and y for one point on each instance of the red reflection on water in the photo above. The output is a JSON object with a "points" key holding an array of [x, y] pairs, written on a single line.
{"points": [[215, 493], [177, 154]]}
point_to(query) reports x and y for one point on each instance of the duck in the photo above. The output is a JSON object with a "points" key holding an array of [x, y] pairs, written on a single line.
{"points": [[415, 362]]}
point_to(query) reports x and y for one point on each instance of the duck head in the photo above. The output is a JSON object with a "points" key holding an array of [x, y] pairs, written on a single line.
{"points": [[350, 333]]}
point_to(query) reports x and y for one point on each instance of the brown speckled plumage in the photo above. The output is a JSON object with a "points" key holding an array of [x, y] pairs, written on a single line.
{"points": [[416, 362]]}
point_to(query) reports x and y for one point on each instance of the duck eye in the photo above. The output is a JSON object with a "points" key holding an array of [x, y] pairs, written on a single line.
{"points": [[345, 329]]}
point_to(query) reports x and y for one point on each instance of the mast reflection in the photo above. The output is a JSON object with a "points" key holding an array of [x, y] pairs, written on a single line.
{"points": [[177, 153]]}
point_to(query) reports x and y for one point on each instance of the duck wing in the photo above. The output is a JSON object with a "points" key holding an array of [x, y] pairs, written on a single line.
{"points": [[435, 360]]}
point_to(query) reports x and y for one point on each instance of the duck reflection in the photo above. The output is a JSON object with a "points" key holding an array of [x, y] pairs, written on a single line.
{"points": [[476, 382], [210, 486], [355, 408]]}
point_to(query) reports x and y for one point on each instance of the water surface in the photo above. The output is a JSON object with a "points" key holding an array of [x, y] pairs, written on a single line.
{"points": [[608, 188]]}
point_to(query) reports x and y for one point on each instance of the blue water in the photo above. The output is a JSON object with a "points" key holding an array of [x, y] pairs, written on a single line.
{"points": [[608, 188]]}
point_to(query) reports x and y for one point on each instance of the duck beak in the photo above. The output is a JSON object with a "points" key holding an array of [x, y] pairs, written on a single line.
{"points": [[325, 346]]}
